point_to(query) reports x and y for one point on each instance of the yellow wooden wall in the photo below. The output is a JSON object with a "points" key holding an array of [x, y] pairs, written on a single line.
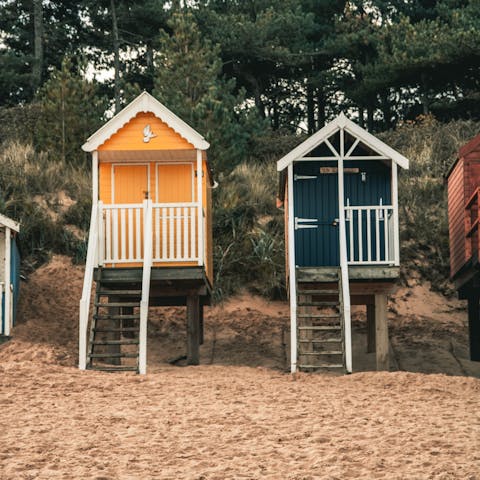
{"points": [[130, 136]]}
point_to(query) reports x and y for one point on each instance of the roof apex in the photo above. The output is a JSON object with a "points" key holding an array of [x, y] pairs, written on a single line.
{"points": [[144, 103], [342, 122]]}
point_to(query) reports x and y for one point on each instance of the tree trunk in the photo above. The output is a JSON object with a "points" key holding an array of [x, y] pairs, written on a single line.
{"points": [[116, 56], [37, 42], [310, 108], [321, 104], [370, 109], [361, 117], [424, 96]]}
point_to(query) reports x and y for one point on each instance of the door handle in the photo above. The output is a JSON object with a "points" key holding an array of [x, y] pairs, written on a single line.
{"points": [[335, 222]]}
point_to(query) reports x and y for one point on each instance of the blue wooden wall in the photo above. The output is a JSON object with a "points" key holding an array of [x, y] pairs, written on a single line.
{"points": [[317, 198]]}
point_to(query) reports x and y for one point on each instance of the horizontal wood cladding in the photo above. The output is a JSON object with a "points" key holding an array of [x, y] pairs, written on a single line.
{"points": [[456, 217], [131, 136]]}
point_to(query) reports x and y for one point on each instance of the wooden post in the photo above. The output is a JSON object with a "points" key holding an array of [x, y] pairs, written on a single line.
{"points": [[292, 273], [193, 330], [474, 326], [8, 282], [202, 336], [371, 328], [381, 332]]}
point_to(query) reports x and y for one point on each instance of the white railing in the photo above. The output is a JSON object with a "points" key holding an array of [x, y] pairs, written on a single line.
{"points": [[371, 235], [175, 233], [147, 266], [90, 264]]}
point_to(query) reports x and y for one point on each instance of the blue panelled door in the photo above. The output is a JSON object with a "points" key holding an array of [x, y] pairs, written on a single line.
{"points": [[316, 214]]}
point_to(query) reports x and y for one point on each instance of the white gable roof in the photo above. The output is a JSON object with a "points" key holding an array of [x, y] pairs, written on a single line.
{"points": [[144, 103], [8, 222], [342, 122]]}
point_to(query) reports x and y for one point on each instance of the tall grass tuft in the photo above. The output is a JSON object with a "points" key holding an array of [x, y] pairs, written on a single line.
{"points": [[38, 191]]}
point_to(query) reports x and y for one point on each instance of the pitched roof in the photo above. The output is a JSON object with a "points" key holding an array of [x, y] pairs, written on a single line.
{"points": [[144, 103], [8, 222], [342, 122]]}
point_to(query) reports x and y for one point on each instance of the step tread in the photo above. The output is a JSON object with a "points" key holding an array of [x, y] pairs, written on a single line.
{"points": [[321, 327], [113, 355], [318, 304], [115, 330], [322, 365], [100, 316], [327, 340], [318, 315], [120, 368], [326, 352], [115, 342], [117, 304], [119, 292], [317, 292]]}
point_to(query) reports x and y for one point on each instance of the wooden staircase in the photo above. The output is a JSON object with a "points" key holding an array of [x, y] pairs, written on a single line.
{"points": [[113, 343], [320, 327]]}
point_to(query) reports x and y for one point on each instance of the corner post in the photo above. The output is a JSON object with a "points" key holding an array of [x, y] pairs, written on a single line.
{"points": [[94, 177], [147, 267], [371, 328], [343, 257], [381, 332], [7, 315], [193, 329], [292, 272], [201, 226], [474, 326], [396, 233]]}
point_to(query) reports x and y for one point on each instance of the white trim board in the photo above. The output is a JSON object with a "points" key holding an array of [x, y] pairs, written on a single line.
{"points": [[144, 103], [342, 123], [9, 223]]}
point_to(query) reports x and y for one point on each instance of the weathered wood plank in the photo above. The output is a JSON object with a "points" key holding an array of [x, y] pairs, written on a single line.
{"points": [[330, 274]]}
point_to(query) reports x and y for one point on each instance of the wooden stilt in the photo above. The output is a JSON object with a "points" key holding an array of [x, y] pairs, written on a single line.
{"points": [[371, 328], [474, 326], [193, 330], [381, 332], [201, 325]]}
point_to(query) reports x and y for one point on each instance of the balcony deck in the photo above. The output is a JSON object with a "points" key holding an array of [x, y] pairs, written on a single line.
{"points": [[169, 286]]}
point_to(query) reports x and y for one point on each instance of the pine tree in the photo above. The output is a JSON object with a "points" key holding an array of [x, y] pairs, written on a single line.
{"points": [[188, 80], [71, 110]]}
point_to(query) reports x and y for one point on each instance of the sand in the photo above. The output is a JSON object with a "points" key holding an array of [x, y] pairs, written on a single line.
{"points": [[238, 415]]}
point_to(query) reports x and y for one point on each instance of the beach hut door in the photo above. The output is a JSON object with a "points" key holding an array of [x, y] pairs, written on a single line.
{"points": [[316, 217]]}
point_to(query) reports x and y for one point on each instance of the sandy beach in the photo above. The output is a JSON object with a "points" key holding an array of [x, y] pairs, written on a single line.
{"points": [[239, 414]]}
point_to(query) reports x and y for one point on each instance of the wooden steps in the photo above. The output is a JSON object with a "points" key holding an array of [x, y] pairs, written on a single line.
{"points": [[320, 336], [114, 329]]}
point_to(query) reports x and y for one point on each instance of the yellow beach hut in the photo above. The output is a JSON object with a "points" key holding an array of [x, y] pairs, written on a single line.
{"points": [[150, 240]]}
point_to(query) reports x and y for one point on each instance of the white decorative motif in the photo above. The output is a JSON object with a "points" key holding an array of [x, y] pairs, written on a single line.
{"points": [[148, 134]]}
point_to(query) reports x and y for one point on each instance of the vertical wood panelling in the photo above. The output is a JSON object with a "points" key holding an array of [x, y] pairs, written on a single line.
{"points": [[456, 217]]}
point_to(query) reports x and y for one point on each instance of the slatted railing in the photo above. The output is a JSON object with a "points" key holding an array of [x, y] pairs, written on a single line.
{"points": [[370, 235], [175, 232]]}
